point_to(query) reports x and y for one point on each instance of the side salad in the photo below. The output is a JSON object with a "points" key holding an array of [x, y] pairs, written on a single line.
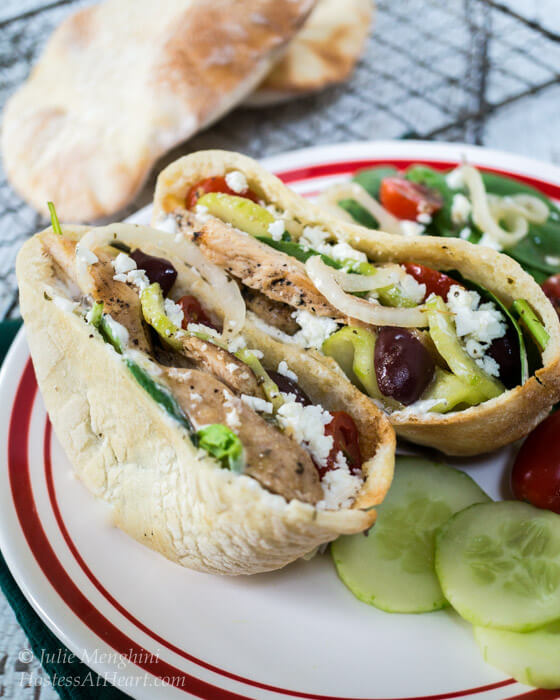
{"points": [[482, 207]]}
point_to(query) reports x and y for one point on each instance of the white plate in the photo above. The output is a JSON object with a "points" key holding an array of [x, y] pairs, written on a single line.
{"points": [[136, 618]]}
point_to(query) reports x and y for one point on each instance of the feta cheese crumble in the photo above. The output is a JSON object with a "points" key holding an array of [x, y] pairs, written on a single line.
{"points": [[412, 228], [86, 255], [340, 488], [314, 329], [315, 238], [455, 179], [276, 229], [237, 182], [285, 371], [257, 404], [173, 312], [306, 424], [127, 272], [460, 209], [477, 324], [123, 263]]}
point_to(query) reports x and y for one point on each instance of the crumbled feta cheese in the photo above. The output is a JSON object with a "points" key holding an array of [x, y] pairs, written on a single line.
{"points": [[237, 343], [465, 233], [86, 255], [340, 489], [313, 237], [201, 328], [477, 324], [460, 209], [552, 260], [306, 424], [285, 371], [489, 242], [257, 404], [455, 179], [276, 229], [343, 251], [257, 353], [202, 213], [117, 330], [167, 224], [123, 264], [412, 289], [138, 278], [173, 312], [65, 304], [412, 228], [237, 182], [424, 218], [314, 329]]}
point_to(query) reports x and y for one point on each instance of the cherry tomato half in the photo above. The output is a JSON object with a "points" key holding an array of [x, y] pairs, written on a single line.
{"points": [[346, 440], [551, 287], [214, 184], [193, 312], [536, 473], [436, 282], [407, 200]]}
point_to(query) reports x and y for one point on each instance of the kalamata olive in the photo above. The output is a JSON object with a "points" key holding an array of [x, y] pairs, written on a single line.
{"points": [[505, 351], [403, 366], [157, 270], [287, 386]]}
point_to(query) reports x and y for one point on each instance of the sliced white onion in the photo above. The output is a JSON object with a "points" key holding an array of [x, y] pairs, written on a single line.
{"points": [[324, 279], [351, 190], [219, 286], [532, 208], [383, 277], [482, 214]]}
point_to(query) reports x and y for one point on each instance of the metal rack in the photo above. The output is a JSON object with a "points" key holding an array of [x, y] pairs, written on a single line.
{"points": [[433, 69]]}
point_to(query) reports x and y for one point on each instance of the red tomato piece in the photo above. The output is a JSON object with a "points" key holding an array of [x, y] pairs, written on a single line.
{"points": [[436, 282], [536, 473], [407, 200], [193, 312], [551, 287], [346, 440], [214, 184]]}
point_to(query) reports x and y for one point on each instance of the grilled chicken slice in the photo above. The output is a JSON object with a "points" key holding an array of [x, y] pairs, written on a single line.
{"points": [[277, 275], [275, 313], [234, 373], [120, 300], [272, 458]]}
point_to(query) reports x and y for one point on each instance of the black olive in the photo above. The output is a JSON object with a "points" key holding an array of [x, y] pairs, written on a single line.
{"points": [[505, 351], [157, 270], [287, 386]]}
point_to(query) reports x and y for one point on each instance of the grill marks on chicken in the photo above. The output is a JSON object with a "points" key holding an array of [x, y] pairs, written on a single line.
{"points": [[272, 458]]}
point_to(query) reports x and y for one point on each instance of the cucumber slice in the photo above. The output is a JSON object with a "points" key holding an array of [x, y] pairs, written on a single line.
{"points": [[532, 658], [239, 212], [499, 565], [393, 567]]}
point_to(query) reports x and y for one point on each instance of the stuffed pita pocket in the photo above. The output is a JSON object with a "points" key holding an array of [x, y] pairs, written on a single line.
{"points": [[224, 453], [425, 327]]}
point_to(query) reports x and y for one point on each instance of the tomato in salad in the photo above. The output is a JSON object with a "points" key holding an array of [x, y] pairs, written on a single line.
{"points": [[551, 287], [193, 312], [214, 184], [346, 440], [536, 473], [408, 200], [436, 282]]}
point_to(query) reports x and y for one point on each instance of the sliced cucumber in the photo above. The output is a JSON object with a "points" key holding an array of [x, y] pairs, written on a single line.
{"points": [[499, 565], [393, 567], [239, 212], [532, 658]]}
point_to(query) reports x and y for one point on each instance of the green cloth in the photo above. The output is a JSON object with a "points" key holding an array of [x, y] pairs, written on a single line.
{"points": [[85, 682]]}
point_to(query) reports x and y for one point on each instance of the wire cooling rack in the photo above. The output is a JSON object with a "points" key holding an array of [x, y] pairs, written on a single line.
{"points": [[432, 69]]}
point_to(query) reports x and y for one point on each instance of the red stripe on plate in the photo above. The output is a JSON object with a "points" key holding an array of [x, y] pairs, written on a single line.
{"points": [[349, 167], [539, 694]]}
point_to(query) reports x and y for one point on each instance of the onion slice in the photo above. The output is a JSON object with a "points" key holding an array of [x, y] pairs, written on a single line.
{"points": [[351, 190], [324, 279], [223, 291]]}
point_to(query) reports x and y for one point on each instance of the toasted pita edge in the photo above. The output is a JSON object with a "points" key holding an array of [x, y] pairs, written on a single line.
{"points": [[479, 429], [130, 454]]}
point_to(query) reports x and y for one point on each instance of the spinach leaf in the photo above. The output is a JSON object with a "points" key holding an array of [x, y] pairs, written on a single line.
{"points": [[359, 213], [370, 179], [442, 223]]}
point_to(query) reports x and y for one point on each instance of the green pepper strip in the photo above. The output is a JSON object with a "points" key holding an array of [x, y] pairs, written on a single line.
{"points": [[353, 349], [535, 327], [54, 219]]}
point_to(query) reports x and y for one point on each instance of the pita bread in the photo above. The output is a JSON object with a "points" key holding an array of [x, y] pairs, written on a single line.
{"points": [[122, 82], [492, 424], [322, 54], [162, 490]]}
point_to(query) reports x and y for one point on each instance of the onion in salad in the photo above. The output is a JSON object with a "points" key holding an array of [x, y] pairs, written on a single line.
{"points": [[224, 293], [325, 280]]}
